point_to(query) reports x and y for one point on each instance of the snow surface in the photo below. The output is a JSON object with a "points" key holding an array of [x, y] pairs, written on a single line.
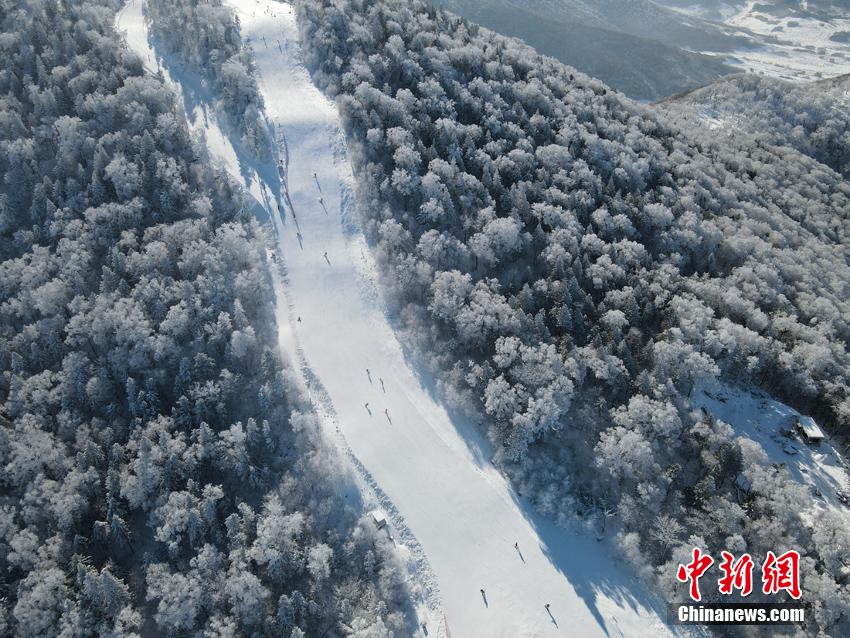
{"points": [[448, 507], [792, 41], [802, 48], [792, 47]]}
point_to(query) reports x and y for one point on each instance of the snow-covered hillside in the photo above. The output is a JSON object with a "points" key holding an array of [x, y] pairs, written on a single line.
{"points": [[454, 512], [793, 44], [610, 41], [807, 116], [789, 40], [649, 49]]}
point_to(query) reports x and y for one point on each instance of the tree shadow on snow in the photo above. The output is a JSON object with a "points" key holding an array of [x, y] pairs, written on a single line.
{"points": [[200, 109]]}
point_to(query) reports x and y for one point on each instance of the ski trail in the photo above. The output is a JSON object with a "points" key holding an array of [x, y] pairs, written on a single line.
{"points": [[451, 509], [433, 471], [267, 200]]}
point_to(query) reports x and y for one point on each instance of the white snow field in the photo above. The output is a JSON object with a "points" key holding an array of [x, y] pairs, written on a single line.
{"points": [[799, 43], [447, 505], [794, 47]]}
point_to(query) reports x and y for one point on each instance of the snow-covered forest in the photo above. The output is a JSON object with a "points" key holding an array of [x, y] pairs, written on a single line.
{"points": [[161, 473], [586, 280], [617, 41], [811, 118], [572, 266], [650, 49], [206, 36]]}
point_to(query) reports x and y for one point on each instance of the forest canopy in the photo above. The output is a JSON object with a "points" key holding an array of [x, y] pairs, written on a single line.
{"points": [[573, 267], [810, 118]]}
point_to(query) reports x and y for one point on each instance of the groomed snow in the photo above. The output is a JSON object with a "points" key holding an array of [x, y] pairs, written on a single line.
{"points": [[451, 510]]}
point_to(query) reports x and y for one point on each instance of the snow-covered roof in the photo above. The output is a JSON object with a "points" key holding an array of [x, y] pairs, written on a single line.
{"points": [[379, 518], [810, 428]]}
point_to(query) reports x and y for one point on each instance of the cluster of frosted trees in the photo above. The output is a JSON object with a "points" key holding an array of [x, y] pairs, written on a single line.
{"points": [[159, 471], [811, 118], [572, 266], [206, 35]]}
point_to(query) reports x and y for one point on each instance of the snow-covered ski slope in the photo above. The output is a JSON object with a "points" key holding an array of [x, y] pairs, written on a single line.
{"points": [[449, 506]]}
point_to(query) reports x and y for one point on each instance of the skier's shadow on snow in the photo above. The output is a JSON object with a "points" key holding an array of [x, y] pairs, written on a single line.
{"points": [[552, 618]]}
